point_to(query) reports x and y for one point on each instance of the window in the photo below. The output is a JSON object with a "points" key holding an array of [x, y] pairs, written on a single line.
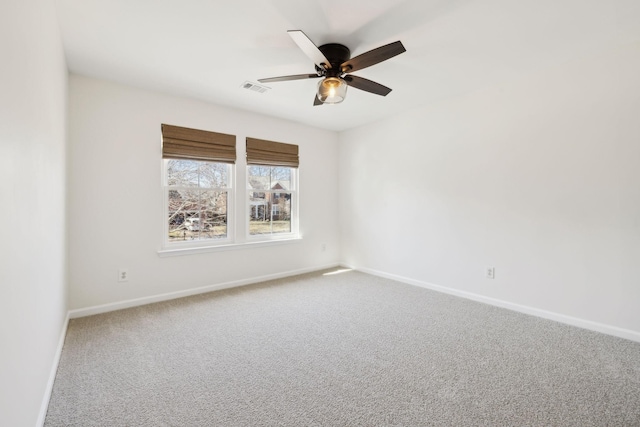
{"points": [[271, 200], [200, 194], [198, 198], [271, 186]]}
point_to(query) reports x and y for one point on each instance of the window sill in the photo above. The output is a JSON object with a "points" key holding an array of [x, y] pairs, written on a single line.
{"points": [[169, 252]]}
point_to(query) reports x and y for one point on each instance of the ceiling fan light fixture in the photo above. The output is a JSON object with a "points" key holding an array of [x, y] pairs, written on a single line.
{"points": [[334, 64], [332, 90]]}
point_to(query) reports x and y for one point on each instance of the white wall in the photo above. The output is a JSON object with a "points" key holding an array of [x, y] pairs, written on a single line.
{"points": [[538, 178], [33, 296], [115, 208]]}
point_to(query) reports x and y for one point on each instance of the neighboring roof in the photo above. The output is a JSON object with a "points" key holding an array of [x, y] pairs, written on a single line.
{"points": [[264, 181]]}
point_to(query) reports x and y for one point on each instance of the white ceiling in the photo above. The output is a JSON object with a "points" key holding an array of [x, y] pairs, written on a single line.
{"points": [[206, 49]]}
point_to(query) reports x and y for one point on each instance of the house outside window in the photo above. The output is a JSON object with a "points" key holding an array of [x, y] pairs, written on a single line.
{"points": [[272, 201]]}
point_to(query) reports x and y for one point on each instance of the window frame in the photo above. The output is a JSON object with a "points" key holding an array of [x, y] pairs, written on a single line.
{"points": [[168, 245], [294, 206]]}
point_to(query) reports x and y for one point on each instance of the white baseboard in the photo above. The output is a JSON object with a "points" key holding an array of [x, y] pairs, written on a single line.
{"points": [[569, 320], [104, 308], [52, 375]]}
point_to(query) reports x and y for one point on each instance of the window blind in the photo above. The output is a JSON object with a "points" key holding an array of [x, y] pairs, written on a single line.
{"points": [[270, 153], [193, 144]]}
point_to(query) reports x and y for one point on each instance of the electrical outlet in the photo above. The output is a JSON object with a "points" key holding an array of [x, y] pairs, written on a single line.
{"points": [[491, 273], [123, 275], [323, 247]]}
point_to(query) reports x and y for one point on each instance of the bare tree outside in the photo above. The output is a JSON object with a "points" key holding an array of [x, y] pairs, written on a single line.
{"points": [[197, 199]]}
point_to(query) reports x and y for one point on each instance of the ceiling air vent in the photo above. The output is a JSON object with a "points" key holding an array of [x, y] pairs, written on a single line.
{"points": [[254, 87]]}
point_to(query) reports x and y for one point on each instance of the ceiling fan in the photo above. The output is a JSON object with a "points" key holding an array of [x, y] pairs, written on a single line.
{"points": [[334, 63]]}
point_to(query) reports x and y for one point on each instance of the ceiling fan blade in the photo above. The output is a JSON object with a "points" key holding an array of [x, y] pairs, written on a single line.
{"points": [[286, 78], [367, 85], [316, 100], [309, 48], [373, 57]]}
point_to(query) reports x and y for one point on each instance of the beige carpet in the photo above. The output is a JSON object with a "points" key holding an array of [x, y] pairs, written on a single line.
{"points": [[344, 349]]}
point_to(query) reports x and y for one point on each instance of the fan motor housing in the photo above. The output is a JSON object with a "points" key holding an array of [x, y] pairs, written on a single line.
{"points": [[337, 54]]}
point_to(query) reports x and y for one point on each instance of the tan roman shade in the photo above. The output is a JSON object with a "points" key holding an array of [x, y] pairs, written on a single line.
{"points": [[194, 144], [269, 153]]}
